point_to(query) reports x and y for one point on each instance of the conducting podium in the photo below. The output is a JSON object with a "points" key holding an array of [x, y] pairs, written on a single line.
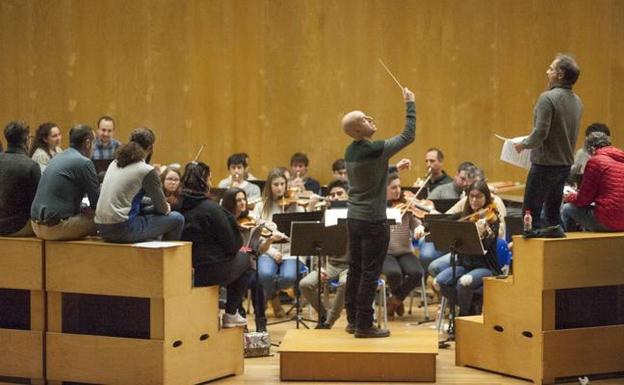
{"points": [[561, 313]]}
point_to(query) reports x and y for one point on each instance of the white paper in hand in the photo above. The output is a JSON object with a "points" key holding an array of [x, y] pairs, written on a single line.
{"points": [[509, 154]]}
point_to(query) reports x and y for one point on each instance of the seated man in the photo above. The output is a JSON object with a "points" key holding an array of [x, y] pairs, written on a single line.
{"points": [[434, 160], [105, 143], [454, 190], [339, 170], [582, 156], [299, 168], [20, 177], [129, 179], [601, 185], [237, 164], [337, 267], [57, 212]]}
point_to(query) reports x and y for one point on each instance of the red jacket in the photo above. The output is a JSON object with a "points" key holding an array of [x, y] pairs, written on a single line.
{"points": [[602, 185]]}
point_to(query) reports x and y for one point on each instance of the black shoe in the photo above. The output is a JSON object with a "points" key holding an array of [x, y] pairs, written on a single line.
{"points": [[372, 332], [322, 325], [350, 328], [261, 325]]}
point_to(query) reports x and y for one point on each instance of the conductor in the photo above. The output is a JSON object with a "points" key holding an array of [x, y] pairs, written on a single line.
{"points": [[369, 232]]}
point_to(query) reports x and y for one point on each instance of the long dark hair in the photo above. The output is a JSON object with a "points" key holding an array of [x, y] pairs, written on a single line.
{"points": [[482, 186], [195, 178], [39, 141], [228, 201]]}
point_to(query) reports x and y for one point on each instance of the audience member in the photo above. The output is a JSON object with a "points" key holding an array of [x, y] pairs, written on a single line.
{"points": [[57, 212], [19, 176], [120, 217]]}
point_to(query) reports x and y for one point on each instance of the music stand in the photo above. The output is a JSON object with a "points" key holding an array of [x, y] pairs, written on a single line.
{"points": [[455, 237], [284, 222], [315, 239]]}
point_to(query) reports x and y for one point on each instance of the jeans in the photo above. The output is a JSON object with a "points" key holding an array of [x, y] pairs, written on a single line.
{"points": [[143, 228], [572, 216], [233, 274], [544, 188], [437, 266], [368, 242], [403, 273], [428, 253], [462, 290], [274, 276]]}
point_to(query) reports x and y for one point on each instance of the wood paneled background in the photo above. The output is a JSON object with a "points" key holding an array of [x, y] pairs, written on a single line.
{"points": [[273, 77]]}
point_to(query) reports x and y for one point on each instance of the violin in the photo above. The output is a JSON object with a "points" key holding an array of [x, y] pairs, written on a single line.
{"points": [[294, 196], [489, 213], [416, 207], [247, 223]]}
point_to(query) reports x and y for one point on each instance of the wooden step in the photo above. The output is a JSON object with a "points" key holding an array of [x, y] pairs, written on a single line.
{"points": [[334, 355]]}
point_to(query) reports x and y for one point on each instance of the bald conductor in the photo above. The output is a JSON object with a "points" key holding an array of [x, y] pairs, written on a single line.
{"points": [[369, 232]]}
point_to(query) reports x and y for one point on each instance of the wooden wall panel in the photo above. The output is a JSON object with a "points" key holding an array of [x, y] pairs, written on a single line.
{"points": [[273, 77]]}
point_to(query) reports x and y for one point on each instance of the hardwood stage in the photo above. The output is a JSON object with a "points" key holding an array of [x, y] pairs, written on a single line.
{"points": [[266, 370]]}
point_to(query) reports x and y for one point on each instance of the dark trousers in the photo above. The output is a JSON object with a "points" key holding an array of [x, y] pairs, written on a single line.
{"points": [[232, 274], [403, 273], [544, 189], [368, 244]]}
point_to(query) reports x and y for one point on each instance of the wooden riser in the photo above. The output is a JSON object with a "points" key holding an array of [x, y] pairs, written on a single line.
{"points": [[508, 352], [21, 263], [110, 360], [21, 354], [334, 355]]}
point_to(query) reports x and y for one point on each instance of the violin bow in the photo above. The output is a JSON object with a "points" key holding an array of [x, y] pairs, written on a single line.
{"points": [[414, 197], [391, 75]]}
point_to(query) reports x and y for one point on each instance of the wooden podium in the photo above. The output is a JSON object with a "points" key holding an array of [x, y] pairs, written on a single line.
{"points": [[119, 314], [561, 314]]}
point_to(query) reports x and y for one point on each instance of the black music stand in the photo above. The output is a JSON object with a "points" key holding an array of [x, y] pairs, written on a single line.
{"points": [[455, 237], [284, 223], [313, 238]]}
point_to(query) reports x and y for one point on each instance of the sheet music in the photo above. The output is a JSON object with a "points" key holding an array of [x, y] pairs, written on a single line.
{"points": [[509, 154]]}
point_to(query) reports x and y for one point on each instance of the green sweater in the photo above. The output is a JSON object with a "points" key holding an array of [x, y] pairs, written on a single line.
{"points": [[367, 168]]}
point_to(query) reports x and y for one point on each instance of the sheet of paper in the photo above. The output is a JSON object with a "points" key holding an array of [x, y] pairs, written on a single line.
{"points": [[509, 154], [157, 244], [332, 216]]}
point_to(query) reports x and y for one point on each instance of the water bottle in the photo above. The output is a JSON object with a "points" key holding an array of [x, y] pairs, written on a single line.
{"points": [[528, 221]]}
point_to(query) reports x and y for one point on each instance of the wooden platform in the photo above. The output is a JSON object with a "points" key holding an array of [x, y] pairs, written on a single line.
{"points": [[334, 355]]}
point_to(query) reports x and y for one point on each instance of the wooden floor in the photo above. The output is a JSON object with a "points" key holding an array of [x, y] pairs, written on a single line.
{"points": [[265, 370]]}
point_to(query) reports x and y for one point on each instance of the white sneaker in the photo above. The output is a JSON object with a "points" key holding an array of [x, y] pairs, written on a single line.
{"points": [[233, 320]]}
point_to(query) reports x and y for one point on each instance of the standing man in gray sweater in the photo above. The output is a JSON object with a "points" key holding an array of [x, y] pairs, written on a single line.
{"points": [[369, 233], [556, 121]]}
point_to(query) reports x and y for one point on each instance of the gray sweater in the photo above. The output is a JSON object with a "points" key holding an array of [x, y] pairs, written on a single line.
{"points": [[124, 188], [556, 120], [367, 168]]}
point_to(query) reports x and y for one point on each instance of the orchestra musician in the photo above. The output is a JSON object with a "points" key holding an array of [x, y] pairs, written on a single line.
{"points": [[471, 269], [276, 270], [401, 267], [369, 233]]}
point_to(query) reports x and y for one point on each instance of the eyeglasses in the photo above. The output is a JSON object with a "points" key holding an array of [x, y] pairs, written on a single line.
{"points": [[172, 179]]}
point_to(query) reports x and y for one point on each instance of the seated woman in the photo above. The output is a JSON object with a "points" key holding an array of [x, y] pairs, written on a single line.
{"points": [[46, 144], [275, 270], [471, 269], [217, 259], [401, 267], [129, 178], [234, 201], [170, 179]]}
